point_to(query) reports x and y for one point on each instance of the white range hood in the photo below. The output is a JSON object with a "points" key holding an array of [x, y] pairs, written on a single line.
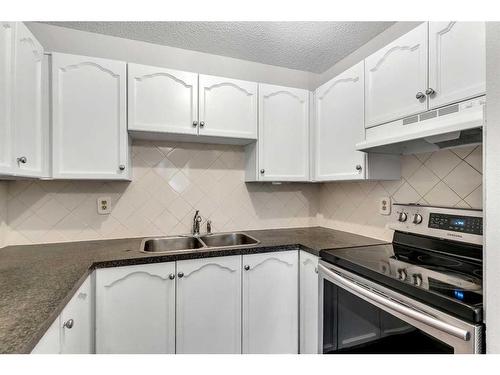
{"points": [[452, 126]]}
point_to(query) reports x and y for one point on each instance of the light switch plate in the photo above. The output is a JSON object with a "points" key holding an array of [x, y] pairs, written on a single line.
{"points": [[104, 205], [384, 206]]}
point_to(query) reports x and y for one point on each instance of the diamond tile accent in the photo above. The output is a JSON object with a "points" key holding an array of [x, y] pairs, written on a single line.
{"points": [[444, 178], [171, 180]]}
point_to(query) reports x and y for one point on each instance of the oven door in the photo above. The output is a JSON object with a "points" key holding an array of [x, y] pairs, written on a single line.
{"points": [[357, 315]]}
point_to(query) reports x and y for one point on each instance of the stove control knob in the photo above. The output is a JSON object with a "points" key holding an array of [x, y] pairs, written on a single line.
{"points": [[417, 219], [417, 279], [402, 274], [402, 217]]}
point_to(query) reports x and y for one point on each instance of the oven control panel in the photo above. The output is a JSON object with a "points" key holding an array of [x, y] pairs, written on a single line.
{"points": [[457, 224], [464, 224]]}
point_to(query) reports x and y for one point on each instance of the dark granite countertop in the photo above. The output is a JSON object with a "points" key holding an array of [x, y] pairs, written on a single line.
{"points": [[36, 281]]}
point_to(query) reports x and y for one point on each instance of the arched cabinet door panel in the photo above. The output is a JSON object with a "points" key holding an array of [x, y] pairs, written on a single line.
{"points": [[270, 303], [135, 309], [394, 76], [339, 125], [228, 107], [457, 61], [90, 139], [162, 100], [283, 145], [209, 305]]}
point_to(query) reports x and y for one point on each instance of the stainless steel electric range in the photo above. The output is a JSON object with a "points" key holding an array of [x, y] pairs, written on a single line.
{"points": [[420, 294]]}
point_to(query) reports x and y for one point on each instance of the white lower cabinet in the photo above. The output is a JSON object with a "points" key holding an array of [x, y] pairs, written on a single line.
{"points": [[50, 343], [135, 309], [270, 303], [209, 305], [308, 275], [73, 330]]}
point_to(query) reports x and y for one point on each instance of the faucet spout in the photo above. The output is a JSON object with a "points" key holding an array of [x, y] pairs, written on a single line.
{"points": [[196, 223]]}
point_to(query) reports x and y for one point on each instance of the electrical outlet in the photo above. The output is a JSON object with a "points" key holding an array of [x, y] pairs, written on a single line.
{"points": [[384, 206], [103, 205]]}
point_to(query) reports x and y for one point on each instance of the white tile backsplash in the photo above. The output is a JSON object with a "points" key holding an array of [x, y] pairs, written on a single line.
{"points": [[172, 180], [442, 178], [169, 182]]}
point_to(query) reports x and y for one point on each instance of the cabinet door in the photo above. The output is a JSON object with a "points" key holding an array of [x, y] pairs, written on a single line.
{"points": [[28, 121], [394, 76], [339, 125], [7, 32], [308, 303], [228, 107], [270, 303], [162, 100], [90, 139], [457, 61], [135, 309], [283, 151], [77, 329], [50, 343], [209, 305]]}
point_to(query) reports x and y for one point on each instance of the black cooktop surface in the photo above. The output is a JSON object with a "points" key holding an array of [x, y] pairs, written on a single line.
{"points": [[449, 282]]}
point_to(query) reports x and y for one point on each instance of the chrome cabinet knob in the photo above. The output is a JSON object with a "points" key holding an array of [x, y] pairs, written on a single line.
{"points": [[430, 91], [359, 167], [180, 274], [202, 124], [417, 219], [69, 323], [171, 276], [247, 267], [22, 159], [402, 217], [121, 167], [195, 123], [420, 95], [262, 171]]}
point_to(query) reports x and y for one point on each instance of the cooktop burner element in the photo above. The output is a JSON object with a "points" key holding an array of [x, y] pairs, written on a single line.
{"points": [[426, 265]]}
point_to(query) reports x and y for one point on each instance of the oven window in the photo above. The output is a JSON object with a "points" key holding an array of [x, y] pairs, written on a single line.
{"points": [[352, 325]]}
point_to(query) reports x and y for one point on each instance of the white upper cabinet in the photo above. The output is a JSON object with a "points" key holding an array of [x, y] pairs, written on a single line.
{"points": [[135, 309], [162, 100], [228, 107], [396, 78], [7, 42], [457, 61], [28, 122], [283, 145], [209, 305], [270, 303], [339, 125], [90, 139], [22, 129]]}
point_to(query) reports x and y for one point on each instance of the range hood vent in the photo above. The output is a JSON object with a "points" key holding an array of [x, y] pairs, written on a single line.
{"points": [[452, 126]]}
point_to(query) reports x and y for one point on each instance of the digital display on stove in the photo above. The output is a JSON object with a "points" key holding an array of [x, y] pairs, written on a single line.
{"points": [[463, 224], [458, 222]]}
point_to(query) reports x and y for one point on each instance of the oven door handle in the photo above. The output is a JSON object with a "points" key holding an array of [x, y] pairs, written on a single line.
{"points": [[395, 306]]}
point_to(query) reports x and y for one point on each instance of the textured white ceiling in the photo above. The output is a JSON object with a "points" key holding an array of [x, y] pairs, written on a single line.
{"points": [[308, 46]]}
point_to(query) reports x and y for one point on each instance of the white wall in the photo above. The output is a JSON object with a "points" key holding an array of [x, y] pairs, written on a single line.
{"points": [[382, 39], [492, 188], [58, 39]]}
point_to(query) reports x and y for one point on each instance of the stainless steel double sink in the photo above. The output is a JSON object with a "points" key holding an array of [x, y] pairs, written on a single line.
{"points": [[190, 243]]}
